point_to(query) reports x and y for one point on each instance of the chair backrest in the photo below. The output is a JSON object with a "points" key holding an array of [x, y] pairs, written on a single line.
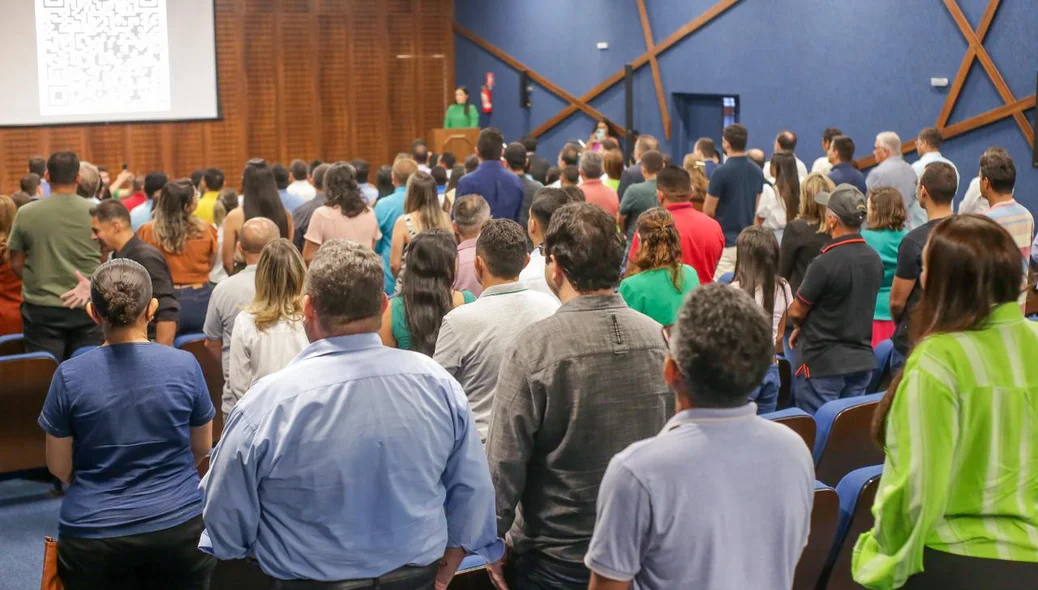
{"points": [[798, 420], [843, 443], [825, 517], [12, 344], [212, 369], [881, 376], [25, 379], [857, 491]]}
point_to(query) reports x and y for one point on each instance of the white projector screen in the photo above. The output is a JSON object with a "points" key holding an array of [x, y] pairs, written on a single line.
{"points": [[96, 61]]}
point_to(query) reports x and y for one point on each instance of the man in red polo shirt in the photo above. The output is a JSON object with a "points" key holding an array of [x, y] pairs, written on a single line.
{"points": [[702, 240]]}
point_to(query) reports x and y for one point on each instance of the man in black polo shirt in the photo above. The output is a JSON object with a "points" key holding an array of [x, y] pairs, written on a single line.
{"points": [[834, 306], [110, 224], [733, 193]]}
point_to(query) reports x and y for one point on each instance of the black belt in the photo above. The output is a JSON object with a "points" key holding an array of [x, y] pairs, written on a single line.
{"points": [[403, 578]]}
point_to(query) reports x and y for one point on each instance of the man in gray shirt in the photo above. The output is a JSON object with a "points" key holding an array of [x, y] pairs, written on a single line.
{"points": [[473, 337], [721, 498], [894, 171], [574, 390], [234, 294]]}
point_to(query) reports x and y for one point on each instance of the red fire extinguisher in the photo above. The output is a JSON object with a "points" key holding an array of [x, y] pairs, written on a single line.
{"points": [[486, 93]]}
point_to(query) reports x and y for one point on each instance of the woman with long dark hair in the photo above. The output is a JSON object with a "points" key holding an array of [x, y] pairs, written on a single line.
{"points": [[422, 211], [127, 424], [412, 320], [780, 203], [260, 198], [756, 273], [462, 113], [345, 216], [660, 281], [959, 425], [189, 245]]}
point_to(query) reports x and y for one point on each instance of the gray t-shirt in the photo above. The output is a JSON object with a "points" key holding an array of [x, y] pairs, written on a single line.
{"points": [[232, 295], [720, 499], [473, 339]]}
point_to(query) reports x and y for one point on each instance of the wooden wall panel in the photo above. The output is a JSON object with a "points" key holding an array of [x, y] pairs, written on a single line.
{"points": [[297, 79]]}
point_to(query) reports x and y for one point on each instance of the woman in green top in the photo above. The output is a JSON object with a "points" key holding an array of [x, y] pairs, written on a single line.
{"points": [[885, 230], [412, 320], [661, 281], [958, 426], [462, 113]]}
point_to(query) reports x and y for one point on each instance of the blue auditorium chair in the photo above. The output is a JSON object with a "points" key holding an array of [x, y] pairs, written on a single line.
{"points": [[857, 491], [726, 278], [25, 380], [825, 518], [881, 375], [843, 442], [12, 344], [798, 420]]}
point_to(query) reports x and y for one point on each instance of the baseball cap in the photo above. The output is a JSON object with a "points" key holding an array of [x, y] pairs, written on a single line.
{"points": [[847, 204]]}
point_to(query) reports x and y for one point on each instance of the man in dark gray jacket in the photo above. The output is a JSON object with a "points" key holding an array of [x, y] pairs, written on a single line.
{"points": [[574, 390]]}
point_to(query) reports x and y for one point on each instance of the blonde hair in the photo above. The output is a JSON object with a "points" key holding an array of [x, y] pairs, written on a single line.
{"points": [[811, 211], [695, 166], [279, 285], [7, 212]]}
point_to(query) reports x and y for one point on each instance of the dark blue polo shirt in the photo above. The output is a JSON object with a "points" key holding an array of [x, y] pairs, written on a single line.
{"points": [[736, 184], [844, 173]]}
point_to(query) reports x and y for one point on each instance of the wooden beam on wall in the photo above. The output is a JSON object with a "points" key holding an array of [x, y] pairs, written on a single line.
{"points": [[657, 50], [657, 80], [575, 103], [967, 63]]}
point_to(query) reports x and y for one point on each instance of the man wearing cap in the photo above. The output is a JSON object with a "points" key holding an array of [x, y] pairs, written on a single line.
{"points": [[833, 334]]}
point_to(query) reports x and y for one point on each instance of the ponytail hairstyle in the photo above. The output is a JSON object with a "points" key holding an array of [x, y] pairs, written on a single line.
{"points": [[120, 292], [660, 244]]}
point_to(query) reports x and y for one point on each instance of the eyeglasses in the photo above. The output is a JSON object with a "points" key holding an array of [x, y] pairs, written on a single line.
{"points": [[666, 331]]}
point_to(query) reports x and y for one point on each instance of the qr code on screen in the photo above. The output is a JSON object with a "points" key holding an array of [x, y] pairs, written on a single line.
{"points": [[102, 56]]}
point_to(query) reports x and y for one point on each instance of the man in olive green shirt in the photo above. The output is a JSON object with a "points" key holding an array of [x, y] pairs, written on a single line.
{"points": [[640, 197], [50, 242]]}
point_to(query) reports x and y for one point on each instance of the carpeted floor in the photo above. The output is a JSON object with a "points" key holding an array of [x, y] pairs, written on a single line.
{"points": [[28, 513]]}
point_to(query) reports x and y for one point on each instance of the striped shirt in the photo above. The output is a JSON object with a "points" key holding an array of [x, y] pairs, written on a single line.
{"points": [[961, 470], [1018, 222]]}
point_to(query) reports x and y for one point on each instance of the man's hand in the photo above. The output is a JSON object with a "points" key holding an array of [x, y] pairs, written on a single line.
{"points": [[793, 337], [497, 574], [452, 557], [79, 295]]}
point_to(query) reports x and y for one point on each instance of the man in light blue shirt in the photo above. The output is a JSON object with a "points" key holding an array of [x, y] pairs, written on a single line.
{"points": [[894, 171], [357, 462], [928, 145], [388, 210], [366, 188], [141, 214], [282, 178], [720, 498]]}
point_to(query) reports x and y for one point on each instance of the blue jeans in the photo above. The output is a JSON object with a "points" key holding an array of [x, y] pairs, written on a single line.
{"points": [[535, 571], [813, 392], [193, 304], [897, 361], [766, 394]]}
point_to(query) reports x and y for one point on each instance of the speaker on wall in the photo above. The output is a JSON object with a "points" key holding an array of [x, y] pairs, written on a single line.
{"points": [[525, 89]]}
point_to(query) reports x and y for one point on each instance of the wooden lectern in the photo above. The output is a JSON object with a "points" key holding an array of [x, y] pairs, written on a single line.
{"points": [[460, 142]]}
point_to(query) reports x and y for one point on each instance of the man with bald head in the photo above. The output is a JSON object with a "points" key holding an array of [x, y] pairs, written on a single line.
{"points": [[233, 294]]}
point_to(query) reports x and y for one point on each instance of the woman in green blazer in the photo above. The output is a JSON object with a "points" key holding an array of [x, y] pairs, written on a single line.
{"points": [[462, 113]]}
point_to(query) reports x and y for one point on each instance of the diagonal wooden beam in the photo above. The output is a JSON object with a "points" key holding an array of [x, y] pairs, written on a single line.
{"points": [[989, 66], [963, 127], [576, 103], [657, 50], [967, 63], [657, 80]]}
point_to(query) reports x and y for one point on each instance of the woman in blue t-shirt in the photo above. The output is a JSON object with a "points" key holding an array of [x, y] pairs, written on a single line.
{"points": [[127, 425]]}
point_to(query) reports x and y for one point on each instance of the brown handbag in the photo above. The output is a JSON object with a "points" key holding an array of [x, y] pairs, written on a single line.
{"points": [[50, 579]]}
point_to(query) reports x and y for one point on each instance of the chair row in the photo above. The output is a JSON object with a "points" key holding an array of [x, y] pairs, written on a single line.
{"points": [[839, 435]]}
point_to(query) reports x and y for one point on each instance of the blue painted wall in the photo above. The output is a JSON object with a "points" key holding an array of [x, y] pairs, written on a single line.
{"points": [[863, 65]]}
